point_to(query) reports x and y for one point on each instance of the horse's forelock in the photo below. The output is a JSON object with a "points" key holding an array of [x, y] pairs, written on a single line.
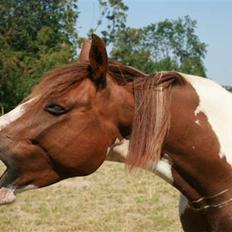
{"points": [[60, 79], [65, 77]]}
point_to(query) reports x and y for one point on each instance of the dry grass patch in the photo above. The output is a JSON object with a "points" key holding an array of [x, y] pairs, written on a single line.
{"points": [[110, 200]]}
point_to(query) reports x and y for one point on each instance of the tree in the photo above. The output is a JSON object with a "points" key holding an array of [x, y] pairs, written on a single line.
{"points": [[167, 45], [128, 48], [113, 15], [34, 37], [37, 35]]}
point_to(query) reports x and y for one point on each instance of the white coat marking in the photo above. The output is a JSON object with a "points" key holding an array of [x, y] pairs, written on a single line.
{"points": [[164, 169], [26, 188], [216, 104], [13, 115], [6, 119], [198, 122]]}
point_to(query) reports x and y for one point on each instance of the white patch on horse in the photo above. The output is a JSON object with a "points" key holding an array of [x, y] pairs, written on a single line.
{"points": [[13, 115], [26, 188], [183, 204], [198, 122], [6, 119], [164, 169], [217, 107]]}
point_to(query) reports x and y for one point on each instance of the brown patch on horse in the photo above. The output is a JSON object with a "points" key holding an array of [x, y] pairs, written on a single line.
{"points": [[193, 221], [151, 118], [197, 169]]}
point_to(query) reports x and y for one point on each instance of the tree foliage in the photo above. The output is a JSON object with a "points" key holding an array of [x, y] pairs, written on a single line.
{"points": [[34, 36], [113, 16], [167, 45], [37, 35]]}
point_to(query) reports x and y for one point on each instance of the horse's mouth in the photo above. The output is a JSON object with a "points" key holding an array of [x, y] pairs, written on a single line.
{"points": [[7, 196], [7, 192]]}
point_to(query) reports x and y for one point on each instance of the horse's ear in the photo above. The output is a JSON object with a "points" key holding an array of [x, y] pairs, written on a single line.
{"points": [[85, 50], [98, 61]]}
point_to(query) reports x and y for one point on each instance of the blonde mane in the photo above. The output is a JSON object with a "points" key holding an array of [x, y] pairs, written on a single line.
{"points": [[151, 118]]}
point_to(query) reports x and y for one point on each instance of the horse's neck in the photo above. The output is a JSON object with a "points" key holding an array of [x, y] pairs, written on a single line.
{"points": [[195, 146], [199, 142]]}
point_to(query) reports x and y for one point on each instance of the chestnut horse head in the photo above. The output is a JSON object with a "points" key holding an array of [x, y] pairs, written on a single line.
{"points": [[65, 127]]}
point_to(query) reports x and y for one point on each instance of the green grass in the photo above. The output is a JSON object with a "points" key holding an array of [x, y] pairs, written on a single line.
{"points": [[110, 200]]}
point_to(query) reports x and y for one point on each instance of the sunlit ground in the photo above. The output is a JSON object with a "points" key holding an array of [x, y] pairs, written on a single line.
{"points": [[110, 200]]}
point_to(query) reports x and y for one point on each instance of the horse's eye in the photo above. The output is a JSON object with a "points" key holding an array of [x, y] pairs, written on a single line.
{"points": [[55, 109]]}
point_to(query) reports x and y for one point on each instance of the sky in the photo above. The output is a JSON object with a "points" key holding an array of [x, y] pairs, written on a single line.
{"points": [[214, 26]]}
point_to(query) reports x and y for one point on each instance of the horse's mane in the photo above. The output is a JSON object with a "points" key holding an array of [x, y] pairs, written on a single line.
{"points": [[68, 76], [151, 118]]}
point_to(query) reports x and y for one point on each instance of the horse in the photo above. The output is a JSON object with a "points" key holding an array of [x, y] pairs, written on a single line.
{"points": [[176, 123]]}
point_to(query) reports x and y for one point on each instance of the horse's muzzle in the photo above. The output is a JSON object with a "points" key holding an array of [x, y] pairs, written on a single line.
{"points": [[7, 190], [10, 174]]}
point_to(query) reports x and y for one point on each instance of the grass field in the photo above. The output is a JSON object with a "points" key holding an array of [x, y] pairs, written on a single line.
{"points": [[110, 200]]}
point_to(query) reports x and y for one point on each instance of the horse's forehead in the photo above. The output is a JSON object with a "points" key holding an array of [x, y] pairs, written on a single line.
{"points": [[84, 89]]}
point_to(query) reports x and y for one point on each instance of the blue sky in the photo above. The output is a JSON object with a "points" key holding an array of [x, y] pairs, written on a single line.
{"points": [[214, 26]]}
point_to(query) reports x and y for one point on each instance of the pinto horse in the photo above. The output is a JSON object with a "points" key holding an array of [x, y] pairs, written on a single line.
{"points": [[177, 125]]}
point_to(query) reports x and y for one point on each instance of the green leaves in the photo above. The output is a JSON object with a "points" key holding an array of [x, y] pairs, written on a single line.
{"points": [[113, 14], [167, 45], [35, 36]]}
